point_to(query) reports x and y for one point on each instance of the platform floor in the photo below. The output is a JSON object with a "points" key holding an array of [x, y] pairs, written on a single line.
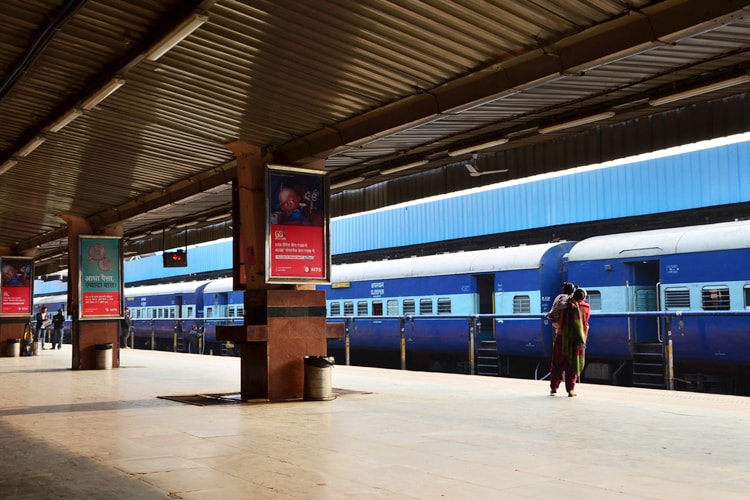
{"points": [[389, 434]]}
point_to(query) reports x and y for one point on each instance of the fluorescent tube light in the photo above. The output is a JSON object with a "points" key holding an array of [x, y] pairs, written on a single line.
{"points": [[10, 163], [699, 90], [413, 164], [102, 93], [478, 147], [176, 36], [65, 119], [575, 123], [31, 146], [353, 180]]}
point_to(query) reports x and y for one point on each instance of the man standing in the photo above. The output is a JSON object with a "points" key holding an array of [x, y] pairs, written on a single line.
{"points": [[58, 325], [126, 328]]}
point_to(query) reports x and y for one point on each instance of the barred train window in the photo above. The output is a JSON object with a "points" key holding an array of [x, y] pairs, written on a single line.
{"points": [[715, 298], [209, 312], [594, 298], [747, 296], [241, 311], [410, 306], [444, 305], [677, 298], [521, 304], [348, 308], [392, 306], [425, 306], [377, 307], [362, 308], [335, 308]]}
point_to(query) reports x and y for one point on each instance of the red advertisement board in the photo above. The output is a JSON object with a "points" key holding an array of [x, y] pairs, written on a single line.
{"points": [[297, 240], [16, 287]]}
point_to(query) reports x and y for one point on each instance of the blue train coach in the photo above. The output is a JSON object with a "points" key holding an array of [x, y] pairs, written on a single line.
{"points": [[432, 302], [698, 281]]}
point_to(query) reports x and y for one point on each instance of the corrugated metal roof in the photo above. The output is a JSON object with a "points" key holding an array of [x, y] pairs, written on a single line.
{"points": [[361, 86]]}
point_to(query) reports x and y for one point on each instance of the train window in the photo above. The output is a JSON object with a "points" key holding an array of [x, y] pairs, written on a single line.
{"points": [[230, 311], [172, 312], [521, 304], [190, 312], [676, 298], [209, 312], [362, 308], [335, 309], [747, 296], [241, 311], [443, 305], [410, 306], [425, 306], [715, 298], [348, 308], [594, 298], [392, 307], [377, 307]]}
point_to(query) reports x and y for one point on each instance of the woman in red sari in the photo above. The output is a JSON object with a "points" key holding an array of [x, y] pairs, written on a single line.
{"points": [[569, 348]]}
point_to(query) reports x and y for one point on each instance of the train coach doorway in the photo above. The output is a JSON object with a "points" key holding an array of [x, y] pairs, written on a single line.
{"points": [[485, 304], [643, 296]]}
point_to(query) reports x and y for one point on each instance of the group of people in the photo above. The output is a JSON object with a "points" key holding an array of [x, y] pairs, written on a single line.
{"points": [[570, 317], [44, 322]]}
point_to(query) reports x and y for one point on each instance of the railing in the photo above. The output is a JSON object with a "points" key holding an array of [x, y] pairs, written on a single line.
{"points": [[473, 322]]}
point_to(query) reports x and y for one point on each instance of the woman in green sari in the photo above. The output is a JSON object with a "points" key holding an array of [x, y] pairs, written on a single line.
{"points": [[570, 351]]}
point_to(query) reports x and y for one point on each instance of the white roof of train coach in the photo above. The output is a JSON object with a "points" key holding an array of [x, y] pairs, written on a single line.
{"points": [[220, 285], [165, 288], [479, 261], [710, 237]]}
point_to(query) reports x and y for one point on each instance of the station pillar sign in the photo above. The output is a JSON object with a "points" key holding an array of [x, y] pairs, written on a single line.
{"points": [[101, 277]]}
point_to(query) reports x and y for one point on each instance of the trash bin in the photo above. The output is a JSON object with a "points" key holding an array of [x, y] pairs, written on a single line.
{"points": [[318, 378], [103, 356], [14, 348], [35, 350]]}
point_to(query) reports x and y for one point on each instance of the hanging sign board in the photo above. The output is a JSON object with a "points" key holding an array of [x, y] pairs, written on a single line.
{"points": [[297, 221], [16, 287], [101, 283]]}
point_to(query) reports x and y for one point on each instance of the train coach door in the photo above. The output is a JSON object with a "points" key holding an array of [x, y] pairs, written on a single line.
{"points": [[643, 296], [485, 286]]}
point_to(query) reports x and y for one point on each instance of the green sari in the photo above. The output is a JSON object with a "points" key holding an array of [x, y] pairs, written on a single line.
{"points": [[574, 335]]}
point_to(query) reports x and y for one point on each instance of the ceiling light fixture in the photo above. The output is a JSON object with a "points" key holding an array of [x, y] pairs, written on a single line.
{"points": [[699, 90], [406, 166], [65, 119], [347, 182], [176, 36], [478, 147], [217, 217], [31, 146], [102, 93], [575, 123], [7, 165]]}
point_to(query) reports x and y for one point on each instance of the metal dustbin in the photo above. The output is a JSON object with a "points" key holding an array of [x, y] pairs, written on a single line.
{"points": [[14, 348], [35, 349], [318, 378], [103, 356]]}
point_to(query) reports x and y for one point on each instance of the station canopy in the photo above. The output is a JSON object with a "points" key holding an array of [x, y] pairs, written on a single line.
{"points": [[120, 111]]}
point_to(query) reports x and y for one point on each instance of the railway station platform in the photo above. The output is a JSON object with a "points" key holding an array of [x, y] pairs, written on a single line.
{"points": [[388, 434]]}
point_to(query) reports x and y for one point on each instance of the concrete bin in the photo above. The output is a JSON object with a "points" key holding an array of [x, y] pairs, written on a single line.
{"points": [[103, 356], [318, 378], [14, 348]]}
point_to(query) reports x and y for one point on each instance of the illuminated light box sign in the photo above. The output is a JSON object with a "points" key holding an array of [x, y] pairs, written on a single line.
{"points": [[175, 259], [297, 222], [101, 283], [16, 287]]}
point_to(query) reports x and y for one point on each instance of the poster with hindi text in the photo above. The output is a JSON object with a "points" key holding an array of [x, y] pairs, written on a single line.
{"points": [[101, 280], [16, 286], [297, 221]]}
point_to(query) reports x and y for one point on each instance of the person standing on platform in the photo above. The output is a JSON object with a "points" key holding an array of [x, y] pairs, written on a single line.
{"points": [[126, 329], [43, 323], [58, 325], [569, 350]]}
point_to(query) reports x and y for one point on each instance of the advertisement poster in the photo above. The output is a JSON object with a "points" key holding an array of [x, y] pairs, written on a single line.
{"points": [[16, 286], [101, 277], [297, 222]]}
